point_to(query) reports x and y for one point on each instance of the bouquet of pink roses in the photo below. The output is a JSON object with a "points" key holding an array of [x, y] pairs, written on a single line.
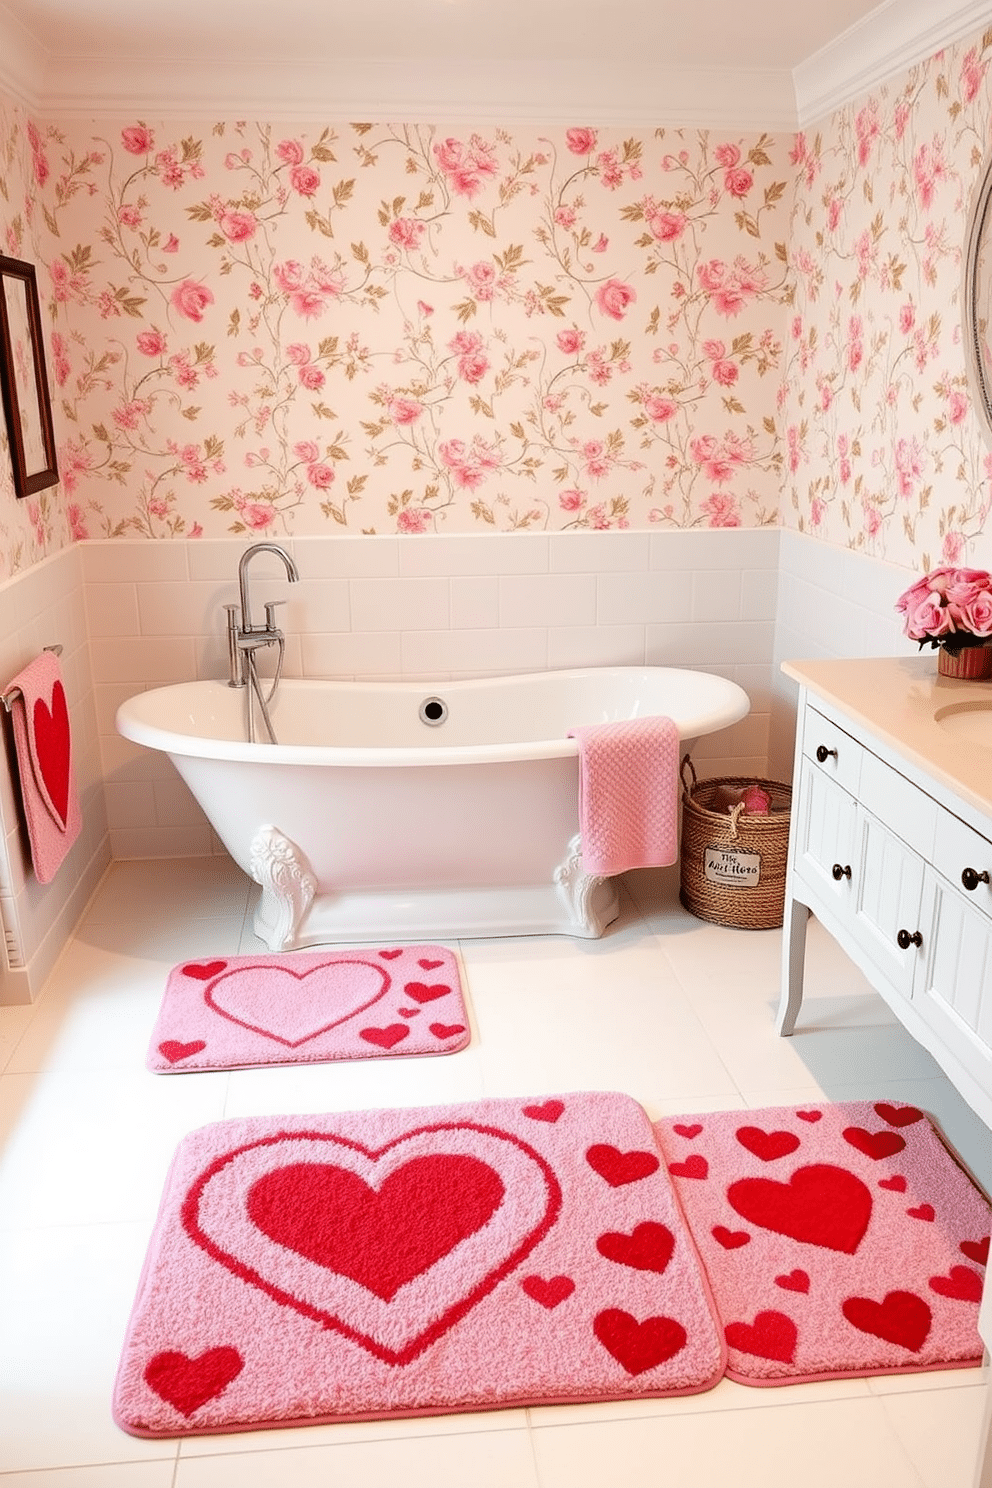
{"points": [[949, 607]]}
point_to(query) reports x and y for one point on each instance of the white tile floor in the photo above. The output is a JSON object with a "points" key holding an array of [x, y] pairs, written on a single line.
{"points": [[673, 1011]]}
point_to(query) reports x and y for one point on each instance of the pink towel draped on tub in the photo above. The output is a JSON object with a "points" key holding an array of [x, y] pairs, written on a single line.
{"points": [[628, 794], [44, 760]]}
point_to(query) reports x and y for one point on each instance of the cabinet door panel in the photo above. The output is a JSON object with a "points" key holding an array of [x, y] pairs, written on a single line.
{"points": [[954, 995], [825, 823], [888, 897]]}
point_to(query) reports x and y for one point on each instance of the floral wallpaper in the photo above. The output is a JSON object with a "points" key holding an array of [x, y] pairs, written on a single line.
{"points": [[882, 450], [408, 329], [263, 329]]}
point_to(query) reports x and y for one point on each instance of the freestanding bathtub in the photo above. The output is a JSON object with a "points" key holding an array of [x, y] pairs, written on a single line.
{"points": [[410, 809]]}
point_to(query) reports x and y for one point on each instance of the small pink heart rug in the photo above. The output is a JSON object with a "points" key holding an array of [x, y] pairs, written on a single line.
{"points": [[840, 1239], [407, 1262], [232, 1012]]}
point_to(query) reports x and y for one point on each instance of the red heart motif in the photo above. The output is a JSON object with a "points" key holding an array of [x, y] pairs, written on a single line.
{"points": [[638, 1346], [446, 1030], [549, 1111], [901, 1317], [203, 971], [689, 1131], [875, 1145], [187, 1383], [619, 1167], [408, 1012], [794, 1281], [422, 992], [923, 1211], [810, 1115], [819, 1205], [549, 1291], [898, 1115], [334, 1218], [647, 1248], [896, 1183], [430, 965], [693, 1167], [52, 746], [390, 955], [772, 1335], [379, 1213], [730, 1239], [385, 1038], [767, 1145], [174, 1051], [961, 1283], [976, 1250]]}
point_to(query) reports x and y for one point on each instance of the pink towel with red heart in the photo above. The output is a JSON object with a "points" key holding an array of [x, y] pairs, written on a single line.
{"points": [[43, 742], [628, 794]]}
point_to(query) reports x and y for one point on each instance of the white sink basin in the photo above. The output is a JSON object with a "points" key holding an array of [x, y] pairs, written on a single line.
{"points": [[968, 723]]}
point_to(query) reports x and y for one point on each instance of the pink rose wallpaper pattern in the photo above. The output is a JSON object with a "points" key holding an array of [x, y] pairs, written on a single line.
{"points": [[263, 329]]}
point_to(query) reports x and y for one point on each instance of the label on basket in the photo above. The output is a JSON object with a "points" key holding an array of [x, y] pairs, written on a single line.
{"points": [[724, 865]]}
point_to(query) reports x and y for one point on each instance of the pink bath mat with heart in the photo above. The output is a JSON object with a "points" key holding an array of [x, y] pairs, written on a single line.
{"points": [[409, 1262], [839, 1239], [232, 1012]]}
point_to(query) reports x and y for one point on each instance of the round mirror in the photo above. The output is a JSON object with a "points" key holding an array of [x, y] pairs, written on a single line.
{"points": [[978, 300]]}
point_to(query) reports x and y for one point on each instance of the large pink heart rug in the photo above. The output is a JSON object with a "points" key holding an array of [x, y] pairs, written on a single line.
{"points": [[231, 1012], [401, 1262], [838, 1239]]}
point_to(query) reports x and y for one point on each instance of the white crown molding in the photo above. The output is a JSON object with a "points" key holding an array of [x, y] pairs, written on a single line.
{"points": [[22, 61], [394, 90], [891, 39]]}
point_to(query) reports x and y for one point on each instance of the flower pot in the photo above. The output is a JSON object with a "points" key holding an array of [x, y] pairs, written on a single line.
{"points": [[973, 664]]}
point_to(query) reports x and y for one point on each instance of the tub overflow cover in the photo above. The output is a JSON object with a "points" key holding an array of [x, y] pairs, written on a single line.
{"points": [[433, 711]]}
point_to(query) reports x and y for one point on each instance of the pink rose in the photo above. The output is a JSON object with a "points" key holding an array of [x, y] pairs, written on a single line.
{"points": [[305, 179], [311, 376], [725, 373], [307, 451], [237, 227], [738, 181], [660, 409], [151, 343], [290, 152], [581, 141], [298, 353], [928, 618], [321, 475], [256, 516], [405, 411], [727, 155], [137, 140], [191, 299], [977, 616], [414, 519], [614, 297], [406, 232], [570, 342], [667, 226]]}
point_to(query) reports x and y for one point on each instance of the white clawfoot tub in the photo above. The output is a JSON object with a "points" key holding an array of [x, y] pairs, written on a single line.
{"points": [[369, 822]]}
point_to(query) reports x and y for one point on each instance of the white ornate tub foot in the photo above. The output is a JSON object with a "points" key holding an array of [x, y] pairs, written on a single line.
{"points": [[288, 887], [590, 903]]}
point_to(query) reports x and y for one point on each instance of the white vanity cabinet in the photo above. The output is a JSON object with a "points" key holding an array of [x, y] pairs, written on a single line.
{"points": [[894, 858]]}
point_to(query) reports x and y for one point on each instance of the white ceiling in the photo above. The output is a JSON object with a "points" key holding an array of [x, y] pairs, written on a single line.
{"points": [[770, 62]]}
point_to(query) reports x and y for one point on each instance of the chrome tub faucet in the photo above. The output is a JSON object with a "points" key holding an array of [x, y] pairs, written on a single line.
{"points": [[245, 638]]}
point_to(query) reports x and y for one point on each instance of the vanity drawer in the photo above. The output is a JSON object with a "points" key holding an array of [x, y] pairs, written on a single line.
{"points": [[832, 751], [958, 847], [906, 810]]}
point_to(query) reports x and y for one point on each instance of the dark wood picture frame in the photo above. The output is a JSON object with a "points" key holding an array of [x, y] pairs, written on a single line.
{"points": [[27, 402]]}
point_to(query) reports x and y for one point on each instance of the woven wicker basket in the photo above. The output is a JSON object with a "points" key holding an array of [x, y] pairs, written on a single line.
{"points": [[733, 863]]}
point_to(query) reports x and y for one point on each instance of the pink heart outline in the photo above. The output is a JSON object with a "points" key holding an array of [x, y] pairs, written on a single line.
{"points": [[299, 976]]}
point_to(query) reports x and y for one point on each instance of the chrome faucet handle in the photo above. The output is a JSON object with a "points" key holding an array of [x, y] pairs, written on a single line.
{"points": [[270, 615], [236, 675]]}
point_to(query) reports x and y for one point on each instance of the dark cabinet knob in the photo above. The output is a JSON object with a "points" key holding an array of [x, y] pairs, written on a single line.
{"points": [[823, 753], [841, 870], [971, 878], [904, 939]]}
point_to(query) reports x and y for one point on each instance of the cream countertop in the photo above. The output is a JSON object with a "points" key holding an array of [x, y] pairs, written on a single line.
{"points": [[900, 699]]}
